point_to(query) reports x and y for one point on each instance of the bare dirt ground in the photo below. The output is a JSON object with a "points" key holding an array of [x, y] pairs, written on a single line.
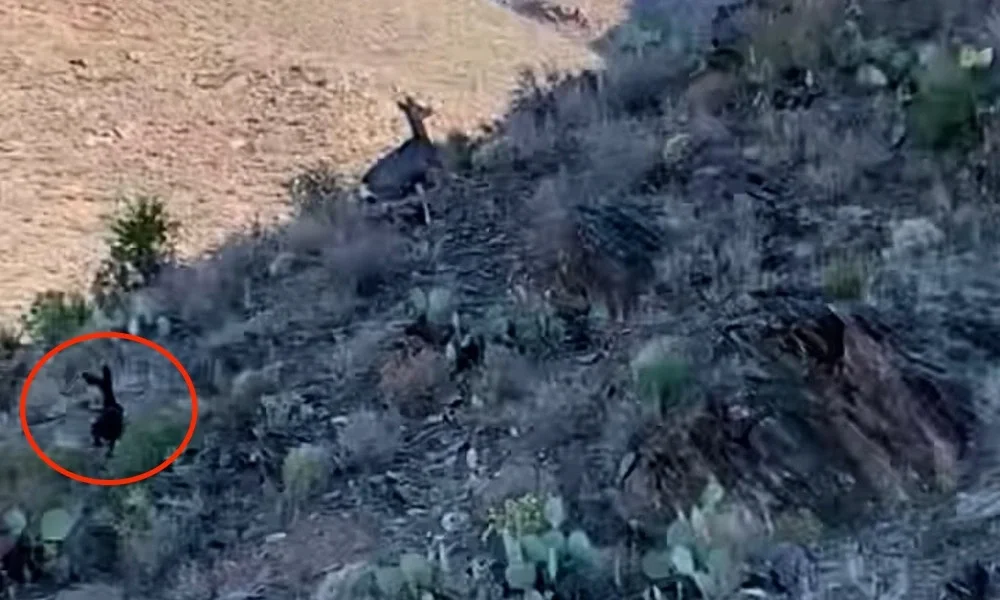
{"points": [[212, 105]]}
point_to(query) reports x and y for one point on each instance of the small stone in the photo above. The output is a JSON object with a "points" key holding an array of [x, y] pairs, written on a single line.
{"points": [[915, 236], [871, 76], [753, 152], [454, 521], [676, 149]]}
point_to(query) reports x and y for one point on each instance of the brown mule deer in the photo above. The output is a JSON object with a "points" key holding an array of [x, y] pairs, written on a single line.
{"points": [[408, 168]]}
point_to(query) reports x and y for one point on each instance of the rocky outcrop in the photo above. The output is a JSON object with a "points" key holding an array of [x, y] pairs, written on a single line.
{"points": [[838, 414]]}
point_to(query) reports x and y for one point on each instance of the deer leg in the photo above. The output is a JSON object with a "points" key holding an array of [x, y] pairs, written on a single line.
{"points": [[423, 203]]}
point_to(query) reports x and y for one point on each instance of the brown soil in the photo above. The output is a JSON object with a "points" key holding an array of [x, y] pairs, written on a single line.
{"points": [[212, 105]]}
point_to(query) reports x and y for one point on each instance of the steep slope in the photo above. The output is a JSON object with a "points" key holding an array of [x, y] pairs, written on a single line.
{"points": [[213, 104]]}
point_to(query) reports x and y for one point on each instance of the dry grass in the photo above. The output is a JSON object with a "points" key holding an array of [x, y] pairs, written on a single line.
{"points": [[294, 560], [414, 381], [833, 158], [800, 36], [369, 439]]}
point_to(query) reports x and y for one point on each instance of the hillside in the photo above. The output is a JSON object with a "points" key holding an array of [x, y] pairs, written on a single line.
{"points": [[212, 105], [707, 322]]}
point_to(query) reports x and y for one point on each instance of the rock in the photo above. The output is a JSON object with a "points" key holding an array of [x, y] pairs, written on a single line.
{"points": [[865, 422], [871, 76], [676, 149], [913, 237]]}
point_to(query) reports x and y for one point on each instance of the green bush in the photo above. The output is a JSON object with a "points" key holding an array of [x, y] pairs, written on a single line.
{"points": [[944, 110], [55, 316], [663, 377], [147, 443], [845, 279], [304, 472], [142, 241]]}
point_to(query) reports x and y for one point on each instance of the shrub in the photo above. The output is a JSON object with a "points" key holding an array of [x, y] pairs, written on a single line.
{"points": [[147, 443], [142, 241], [802, 36], [844, 279], [370, 439], [662, 376], [55, 316], [304, 472], [316, 190], [944, 110]]}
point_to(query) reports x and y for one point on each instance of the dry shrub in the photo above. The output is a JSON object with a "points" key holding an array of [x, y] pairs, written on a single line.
{"points": [[410, 380], [310, 547], [507, 377], [548, 127], [597, 251], [834, 158], [305, 472], [239, 574], [360, 255], [370, 439], [616, 154], [838, 161], [801, 36], [205, 294], [638, 84], [239, 407], [154, 537]]}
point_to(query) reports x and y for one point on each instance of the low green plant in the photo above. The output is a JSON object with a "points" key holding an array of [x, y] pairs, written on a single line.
{"points": [[304, 472], [697, 546], [844, 279], [141, 242], [663, 377], [55, 316], [147, 443], [546, 557]]}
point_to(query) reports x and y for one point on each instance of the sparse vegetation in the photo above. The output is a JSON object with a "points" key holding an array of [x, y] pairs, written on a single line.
{"points": [[56, 316], [845, 279], [654, 356], [304, 472], [150, 440]]}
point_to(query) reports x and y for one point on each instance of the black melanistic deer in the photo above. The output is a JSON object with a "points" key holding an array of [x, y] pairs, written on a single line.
{"points": [[407, 169], [111, 423]]}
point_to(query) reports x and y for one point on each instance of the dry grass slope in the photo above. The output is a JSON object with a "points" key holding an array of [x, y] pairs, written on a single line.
{"points": [[211, 105]]}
